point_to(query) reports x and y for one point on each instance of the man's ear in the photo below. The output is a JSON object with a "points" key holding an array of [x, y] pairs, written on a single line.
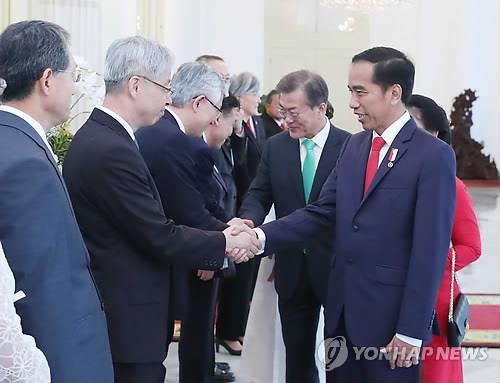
{"points": [[45, 81], [196, 102]]}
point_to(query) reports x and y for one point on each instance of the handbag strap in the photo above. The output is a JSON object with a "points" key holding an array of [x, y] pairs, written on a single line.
{"points": [[450, 311]]}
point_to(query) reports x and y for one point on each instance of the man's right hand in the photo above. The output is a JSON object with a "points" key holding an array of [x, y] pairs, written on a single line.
{"points": [[241, 247]]}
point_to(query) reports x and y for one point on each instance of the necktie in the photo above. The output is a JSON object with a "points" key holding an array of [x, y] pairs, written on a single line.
{"points": [[283, 126], [309, 167], [372, 165], [250, 126]]}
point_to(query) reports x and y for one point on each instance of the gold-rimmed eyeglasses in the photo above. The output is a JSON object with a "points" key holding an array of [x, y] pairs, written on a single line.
{"points": [[76, 74]]}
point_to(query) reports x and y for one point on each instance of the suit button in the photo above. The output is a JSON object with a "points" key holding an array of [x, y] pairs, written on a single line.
{"points": [[350, 260], [355, 227]]}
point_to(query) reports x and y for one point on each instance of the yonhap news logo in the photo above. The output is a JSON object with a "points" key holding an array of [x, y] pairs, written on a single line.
{"points": [[333, 353]]}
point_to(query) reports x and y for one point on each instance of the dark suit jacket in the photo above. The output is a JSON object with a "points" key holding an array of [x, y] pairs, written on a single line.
{"points": [[224, 160], [132, 244], [169, 154], [270, 125], [391, 245], [279, 181], [45, 250], [245, 168]]}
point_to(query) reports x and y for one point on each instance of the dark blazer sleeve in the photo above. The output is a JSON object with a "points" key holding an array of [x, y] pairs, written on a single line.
{"points": [[204, 164], [175, 178], [296, 228], [258, 199], [125, 194]]}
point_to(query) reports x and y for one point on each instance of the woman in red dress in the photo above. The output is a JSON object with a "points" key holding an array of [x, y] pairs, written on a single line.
{"points": [[465, 240]]}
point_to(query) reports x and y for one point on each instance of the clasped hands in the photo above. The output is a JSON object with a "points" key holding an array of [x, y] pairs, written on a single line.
{"points": [[241, 241]]}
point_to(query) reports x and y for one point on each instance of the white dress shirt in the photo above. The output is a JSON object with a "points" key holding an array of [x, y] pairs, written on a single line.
{"points": [[118, 118], [319, 140], [33, 123], [390, 134]]}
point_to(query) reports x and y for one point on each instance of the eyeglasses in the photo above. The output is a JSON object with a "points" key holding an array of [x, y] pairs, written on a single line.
{"points": [[167, 89], [211, 103], [292, 114], [76, 74]]}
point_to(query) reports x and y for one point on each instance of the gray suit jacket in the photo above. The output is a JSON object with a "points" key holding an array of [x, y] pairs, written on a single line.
{"points": [[43, 245]]}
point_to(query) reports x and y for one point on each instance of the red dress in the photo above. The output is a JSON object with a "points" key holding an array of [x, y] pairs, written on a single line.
{"points": [[467, 243]]}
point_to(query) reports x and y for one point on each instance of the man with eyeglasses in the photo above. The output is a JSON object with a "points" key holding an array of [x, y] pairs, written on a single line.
{"points": [[168, 149], [61, 308], [294, 166], [133, 242]]}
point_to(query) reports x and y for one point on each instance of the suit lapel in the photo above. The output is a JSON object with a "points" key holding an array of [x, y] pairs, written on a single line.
{"points": [[401, 143], [219, 179], [19, 124], [292, 155]]}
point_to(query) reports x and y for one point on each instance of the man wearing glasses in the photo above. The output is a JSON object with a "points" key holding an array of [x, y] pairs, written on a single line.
{"points": [[61, 308], [294, 166], [132, 243], [168, 148]]}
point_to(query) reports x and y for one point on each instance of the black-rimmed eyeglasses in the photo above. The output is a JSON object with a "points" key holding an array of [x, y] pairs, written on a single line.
{"points": [[211, 103], [167, 89]]}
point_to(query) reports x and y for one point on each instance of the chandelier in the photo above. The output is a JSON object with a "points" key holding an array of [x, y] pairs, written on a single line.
{"points": [[362, 5]]}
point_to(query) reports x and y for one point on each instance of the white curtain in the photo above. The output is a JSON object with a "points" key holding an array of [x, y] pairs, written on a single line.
{"points": [[151, 19]]}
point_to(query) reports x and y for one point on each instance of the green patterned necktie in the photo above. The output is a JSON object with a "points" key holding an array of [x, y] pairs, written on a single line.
{"points": [[309, 167]]}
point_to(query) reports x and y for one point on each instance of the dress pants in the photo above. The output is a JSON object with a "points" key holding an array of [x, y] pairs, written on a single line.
{"points": [[299, 316], [367, 371], [139, 373], [234, 301], [196, 344]]}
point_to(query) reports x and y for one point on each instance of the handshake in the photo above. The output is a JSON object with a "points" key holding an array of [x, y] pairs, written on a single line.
{"points": [[241, 241]]}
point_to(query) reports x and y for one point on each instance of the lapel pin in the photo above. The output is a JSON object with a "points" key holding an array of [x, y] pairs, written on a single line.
{"points": [[392, 157]]}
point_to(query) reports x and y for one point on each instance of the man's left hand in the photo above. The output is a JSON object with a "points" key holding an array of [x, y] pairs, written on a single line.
{"points": [[402, 354]]}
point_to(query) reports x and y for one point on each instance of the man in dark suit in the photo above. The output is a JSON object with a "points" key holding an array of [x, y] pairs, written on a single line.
{"points": [[271, 116], [290, 175], [119, 210], [61, 309], [168, 149], [390, 201]]}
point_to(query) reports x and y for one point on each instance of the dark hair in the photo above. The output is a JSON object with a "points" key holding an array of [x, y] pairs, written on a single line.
{"points": [[205, 58], [228, 104], [27, 49], [329, 110], [270, 95], [313, 84], [391, 67], [433, 116]]}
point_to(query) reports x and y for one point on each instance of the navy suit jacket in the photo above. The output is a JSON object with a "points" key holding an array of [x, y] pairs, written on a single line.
{"points": [[49, 260], [279, 181], [391, 245]]}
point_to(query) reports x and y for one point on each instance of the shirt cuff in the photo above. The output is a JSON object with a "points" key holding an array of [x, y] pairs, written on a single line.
{"points": [[413, 341], [225, 265], [261, 236]]}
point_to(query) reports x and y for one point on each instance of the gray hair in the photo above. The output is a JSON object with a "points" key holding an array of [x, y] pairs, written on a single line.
{"points": [[313, 85], [27, 49], [244, 83], [194, 79], [135, 56]]}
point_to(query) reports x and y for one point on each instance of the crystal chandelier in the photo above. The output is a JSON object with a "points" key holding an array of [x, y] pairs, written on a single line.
{"points": [[362, 5]]}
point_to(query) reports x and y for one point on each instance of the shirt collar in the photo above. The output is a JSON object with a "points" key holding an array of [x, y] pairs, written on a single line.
{"points": [[320, 138], [118, 118], [31, 121], [178, 120], [392, 131]]}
